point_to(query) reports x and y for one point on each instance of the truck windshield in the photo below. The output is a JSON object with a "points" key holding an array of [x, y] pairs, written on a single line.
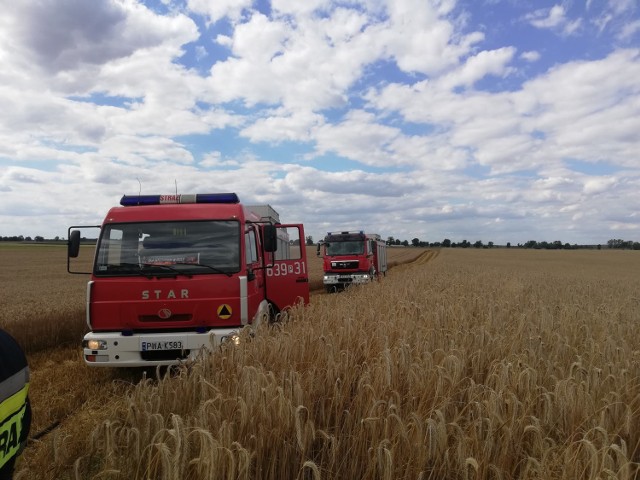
{"points": [[169, 248], [345, 248]]}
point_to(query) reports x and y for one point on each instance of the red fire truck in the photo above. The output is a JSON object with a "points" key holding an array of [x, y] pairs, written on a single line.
{"points": [[173, 274], [352, 258]]}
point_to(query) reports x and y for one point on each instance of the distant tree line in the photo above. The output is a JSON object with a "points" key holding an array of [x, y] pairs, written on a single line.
{"points": [[22, 238], [446, 243], [416, 242], [623, 244], [40, 238], [555, 245]]}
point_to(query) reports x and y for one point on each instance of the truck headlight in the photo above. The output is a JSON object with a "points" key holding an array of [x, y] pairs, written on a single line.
{"points": [[233, 339], [95, 344]]}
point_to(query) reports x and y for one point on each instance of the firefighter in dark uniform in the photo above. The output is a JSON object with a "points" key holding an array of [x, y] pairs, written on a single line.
{"points": [[15, 410]]}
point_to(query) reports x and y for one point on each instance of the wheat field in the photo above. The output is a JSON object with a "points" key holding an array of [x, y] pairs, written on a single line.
{"points": [[459, 364]]}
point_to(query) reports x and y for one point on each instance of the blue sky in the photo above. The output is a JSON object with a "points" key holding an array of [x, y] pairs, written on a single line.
{"points": [[495, 120]]}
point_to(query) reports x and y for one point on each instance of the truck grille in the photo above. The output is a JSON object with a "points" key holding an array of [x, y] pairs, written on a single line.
{"points": [[346, 265]]}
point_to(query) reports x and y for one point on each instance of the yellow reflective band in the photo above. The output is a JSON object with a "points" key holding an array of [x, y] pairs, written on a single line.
{"points": [[13, 403], [12, 412]]}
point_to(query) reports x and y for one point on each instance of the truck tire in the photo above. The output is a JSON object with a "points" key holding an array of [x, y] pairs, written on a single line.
{"points": [[274, 314]]}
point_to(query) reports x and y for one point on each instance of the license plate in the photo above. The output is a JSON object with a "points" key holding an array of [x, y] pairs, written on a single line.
{"points": [[150, 345]]}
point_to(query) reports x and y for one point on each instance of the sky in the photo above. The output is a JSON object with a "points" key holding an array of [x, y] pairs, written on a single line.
{"points": [[491, 120]]}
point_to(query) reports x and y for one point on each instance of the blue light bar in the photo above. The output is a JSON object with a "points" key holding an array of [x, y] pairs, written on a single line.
{"points": [[353, 232], [135, 200], [217, 198]]}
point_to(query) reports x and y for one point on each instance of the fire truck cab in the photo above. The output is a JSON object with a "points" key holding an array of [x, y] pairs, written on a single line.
{"points": [[351, 258], [173, 274]]}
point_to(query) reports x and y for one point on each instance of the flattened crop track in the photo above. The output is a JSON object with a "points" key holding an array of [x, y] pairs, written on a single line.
{"points": [[397, 258], [425, 257], [421, 259]]}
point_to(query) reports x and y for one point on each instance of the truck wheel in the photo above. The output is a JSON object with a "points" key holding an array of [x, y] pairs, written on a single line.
{"points": [[274, 314]]}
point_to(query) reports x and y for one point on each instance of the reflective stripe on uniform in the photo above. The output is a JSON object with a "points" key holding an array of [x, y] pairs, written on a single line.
{"points": [[12, 384], [12, 412], [13, 403]]}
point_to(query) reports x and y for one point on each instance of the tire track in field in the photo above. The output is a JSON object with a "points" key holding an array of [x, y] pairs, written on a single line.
{"points": [[422, 259], [425, 257]]}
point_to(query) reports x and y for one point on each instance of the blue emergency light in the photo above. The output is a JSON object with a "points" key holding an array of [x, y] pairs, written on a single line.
{"points": [[361, 232], [136, 200]]}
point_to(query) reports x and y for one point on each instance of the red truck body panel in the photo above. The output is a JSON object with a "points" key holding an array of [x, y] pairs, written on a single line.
{"points": [[139, 303]]}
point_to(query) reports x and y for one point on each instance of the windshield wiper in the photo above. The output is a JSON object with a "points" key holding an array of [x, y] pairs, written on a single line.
{"points": [[170, 268], [215, 269], [132, 268], [146, 269], [210, 267]]}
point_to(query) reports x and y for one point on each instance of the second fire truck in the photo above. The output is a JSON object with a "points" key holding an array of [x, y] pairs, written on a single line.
{"points": [[352, 257]]}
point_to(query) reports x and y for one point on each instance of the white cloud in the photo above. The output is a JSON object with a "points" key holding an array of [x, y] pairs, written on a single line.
{"points": [[487, 62], [68, 35], [616, 16], [572, 27], [352, 183], [583, 107], [280, 125], [598, 185], [260, 39], [550, 18], [62, 53], [219, 9], [622, 6], [421, 40], [214, 159], [107, 97], [359, 137], [302, 64], [554, 18], [575, 111], [145, 150], [297, 8], [629, 30], [530, 56]]}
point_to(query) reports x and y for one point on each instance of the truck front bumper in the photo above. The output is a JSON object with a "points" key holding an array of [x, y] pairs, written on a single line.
{"points": [[347, 279], [115, 349]]}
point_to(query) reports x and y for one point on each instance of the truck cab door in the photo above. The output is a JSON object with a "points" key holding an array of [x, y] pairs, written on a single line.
{"points": [[288, 276], [255, 278]]}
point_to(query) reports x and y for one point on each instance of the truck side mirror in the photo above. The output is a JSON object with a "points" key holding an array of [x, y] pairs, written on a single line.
{"points": [[73, 245], [269, 238]]}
